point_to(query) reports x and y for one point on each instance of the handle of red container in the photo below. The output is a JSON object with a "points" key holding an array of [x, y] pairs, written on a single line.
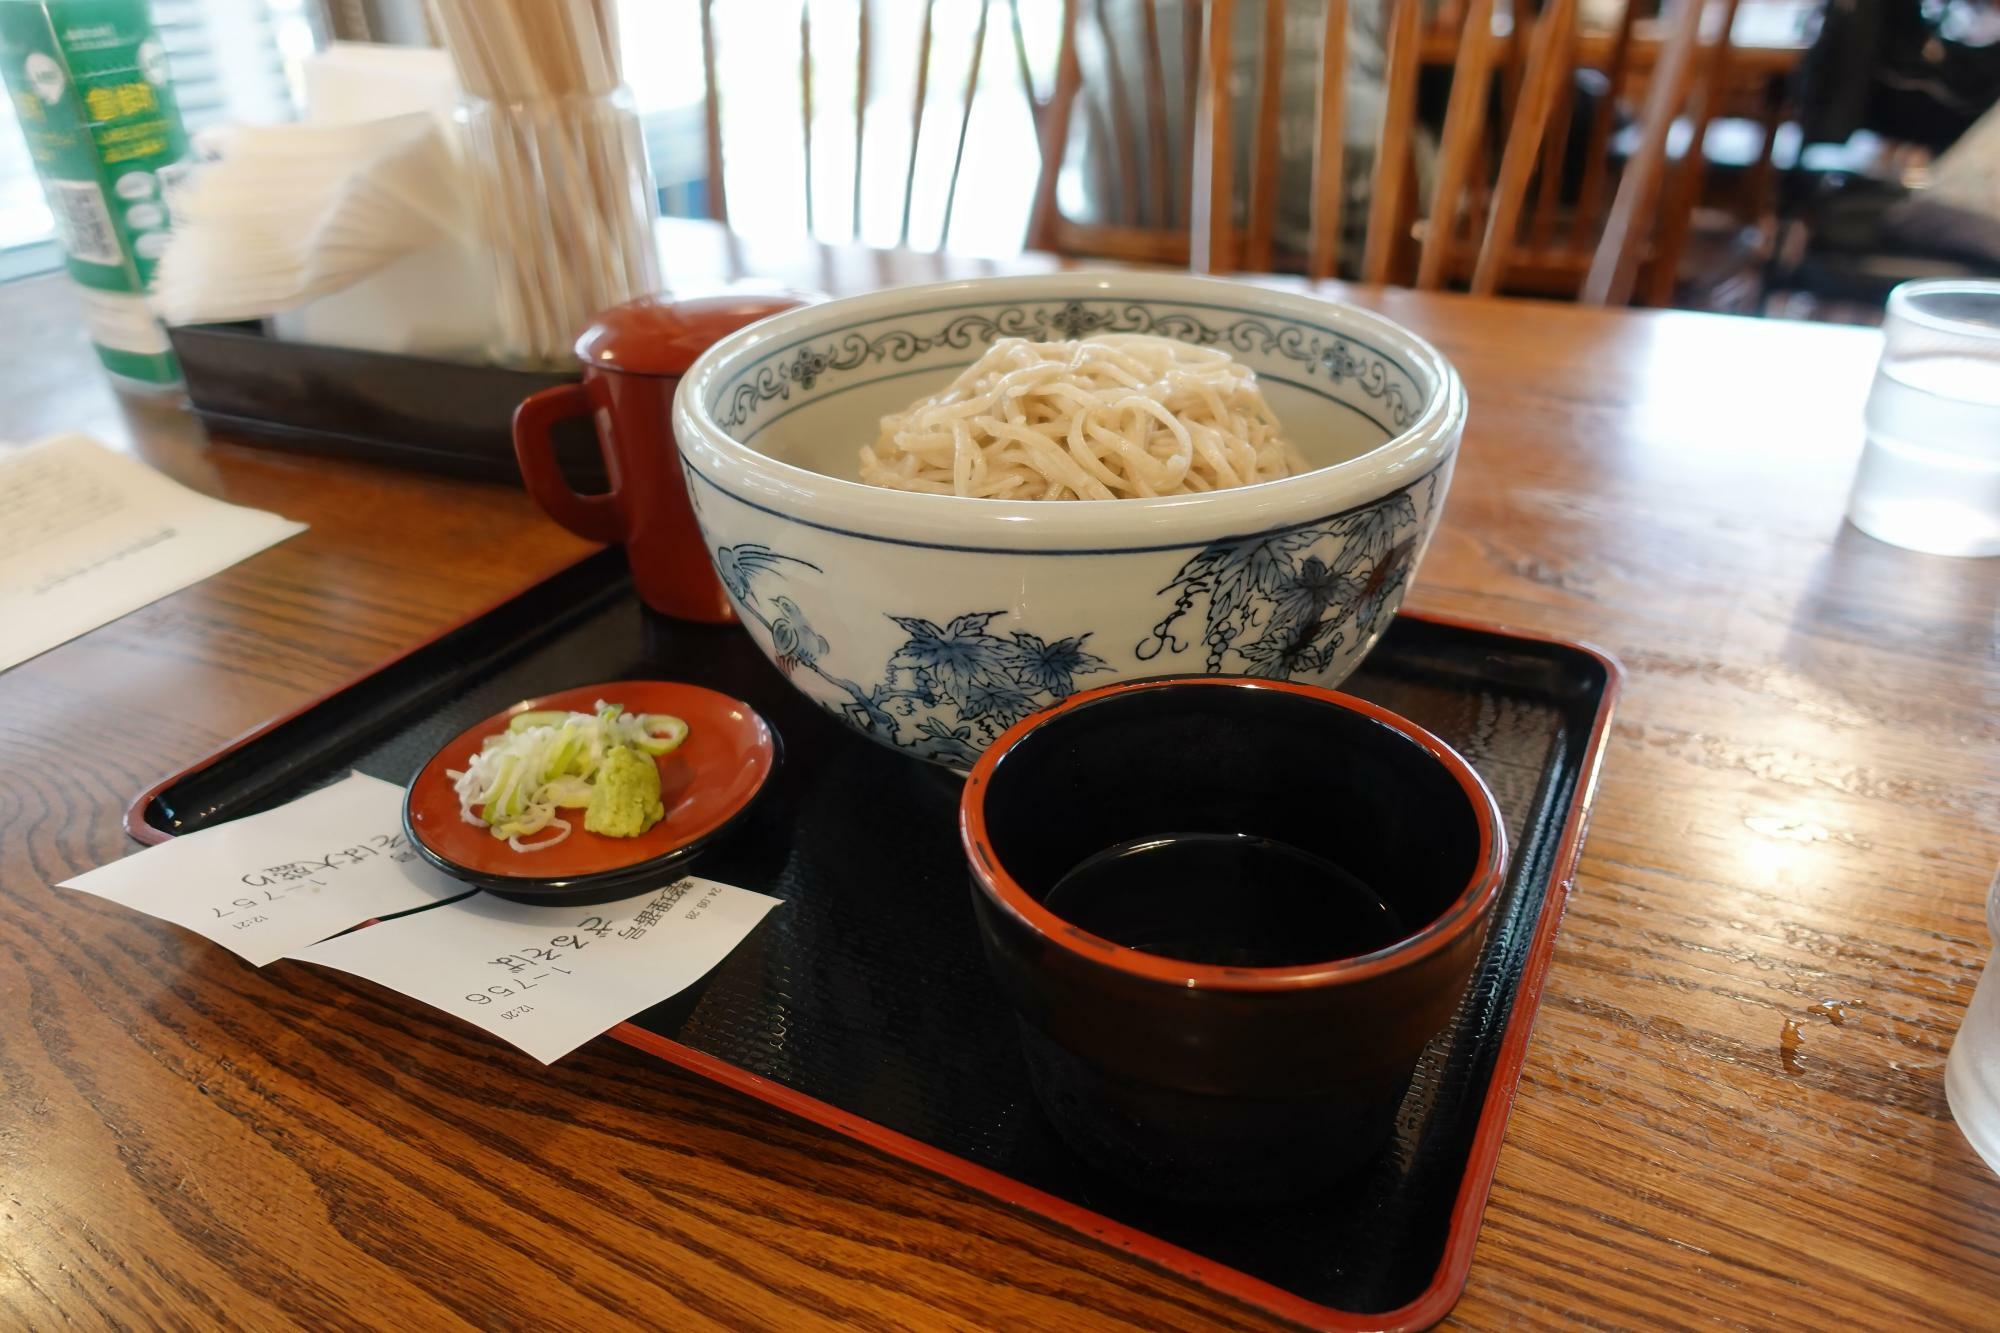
{"points": [[595, 517]]}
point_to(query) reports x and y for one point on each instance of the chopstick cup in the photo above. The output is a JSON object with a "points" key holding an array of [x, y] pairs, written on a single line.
{"points": [[566, 202]]}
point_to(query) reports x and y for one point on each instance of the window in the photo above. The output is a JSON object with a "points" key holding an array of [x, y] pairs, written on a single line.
{"points": [[239, 60], [757, 65]]}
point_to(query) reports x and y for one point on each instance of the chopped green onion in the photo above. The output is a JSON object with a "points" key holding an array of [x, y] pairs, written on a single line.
{"points": [[547, 760], [663, 734]]}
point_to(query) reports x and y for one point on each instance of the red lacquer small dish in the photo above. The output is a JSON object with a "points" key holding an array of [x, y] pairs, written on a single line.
{"points": [[706, 784]]}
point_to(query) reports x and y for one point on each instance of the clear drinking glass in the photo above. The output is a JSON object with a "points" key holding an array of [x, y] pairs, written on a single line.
{"points": [[1930, 475], [1972, 1071]]}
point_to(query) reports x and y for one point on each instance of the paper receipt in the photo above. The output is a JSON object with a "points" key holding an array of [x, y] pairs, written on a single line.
{"points": [[549, 979], [267, 884], [87, 535]]}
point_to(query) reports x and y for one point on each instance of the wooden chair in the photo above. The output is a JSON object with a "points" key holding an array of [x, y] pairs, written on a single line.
{"points": [[1480, 230], [1203, 230], [1189, 212], [1577, 247], [865, 54], [1150, 164]]}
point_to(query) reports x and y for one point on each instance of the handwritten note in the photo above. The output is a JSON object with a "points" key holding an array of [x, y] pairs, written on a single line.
{"points": [[549, 979], [87, 535], [268, 884]]}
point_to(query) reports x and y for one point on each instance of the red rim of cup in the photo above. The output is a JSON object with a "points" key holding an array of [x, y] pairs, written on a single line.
{"points": [[1465, 912]]}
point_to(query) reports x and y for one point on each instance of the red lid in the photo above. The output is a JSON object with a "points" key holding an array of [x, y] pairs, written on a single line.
{"points": [[663, 334]]}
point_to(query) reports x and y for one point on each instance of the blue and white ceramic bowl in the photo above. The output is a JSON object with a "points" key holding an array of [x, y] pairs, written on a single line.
{"points": [[932, 623]]}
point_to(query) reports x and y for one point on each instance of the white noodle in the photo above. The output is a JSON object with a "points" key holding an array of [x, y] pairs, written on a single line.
{"points": [[1105, 418]]}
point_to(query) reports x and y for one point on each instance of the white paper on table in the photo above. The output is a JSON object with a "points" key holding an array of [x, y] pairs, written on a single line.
{"points": [[87, 535], [268, 884], [549, 979]]}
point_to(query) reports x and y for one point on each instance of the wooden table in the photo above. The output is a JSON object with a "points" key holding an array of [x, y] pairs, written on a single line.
{"points": [[1801, 805]]}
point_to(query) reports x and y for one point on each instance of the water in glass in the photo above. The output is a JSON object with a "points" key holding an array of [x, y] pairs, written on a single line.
{"points": [[1930, 475]]}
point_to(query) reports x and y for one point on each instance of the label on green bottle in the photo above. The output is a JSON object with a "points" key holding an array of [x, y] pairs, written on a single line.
{"points": [[88, 79]]}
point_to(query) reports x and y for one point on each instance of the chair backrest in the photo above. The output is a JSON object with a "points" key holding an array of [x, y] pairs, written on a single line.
{"points": [[1537, 223], [1690, 81], [1520, 224], [866, 58], [1166, 135], [1575, 247], [1139, 106]]}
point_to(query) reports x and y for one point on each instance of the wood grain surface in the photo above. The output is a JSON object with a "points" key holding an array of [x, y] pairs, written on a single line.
{"points": [[1732, 1112]]}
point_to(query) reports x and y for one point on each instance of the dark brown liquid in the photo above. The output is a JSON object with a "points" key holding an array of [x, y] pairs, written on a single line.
{"points": [[1228, 899]]}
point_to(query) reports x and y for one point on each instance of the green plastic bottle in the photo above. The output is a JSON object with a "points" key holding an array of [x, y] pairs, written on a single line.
{"points": [[89, 83]]}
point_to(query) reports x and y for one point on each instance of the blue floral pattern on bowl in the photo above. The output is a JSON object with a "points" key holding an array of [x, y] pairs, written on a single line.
{"points": [[945, 693], [1284, 604]]}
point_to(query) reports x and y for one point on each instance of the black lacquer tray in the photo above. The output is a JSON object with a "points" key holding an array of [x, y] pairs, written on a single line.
{"points": [[865, 1004]]}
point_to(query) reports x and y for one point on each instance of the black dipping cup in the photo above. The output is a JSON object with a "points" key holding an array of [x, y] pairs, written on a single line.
{"points": [[1225, 1083]]}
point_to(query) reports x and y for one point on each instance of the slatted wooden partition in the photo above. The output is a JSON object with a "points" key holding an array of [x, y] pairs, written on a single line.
{"points": [[867, 64]]}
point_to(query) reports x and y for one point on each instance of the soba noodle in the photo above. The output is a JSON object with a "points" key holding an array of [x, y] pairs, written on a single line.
{"points": [[1106, 418]]}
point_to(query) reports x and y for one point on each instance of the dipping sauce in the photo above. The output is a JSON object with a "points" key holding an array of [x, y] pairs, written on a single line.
{"points": [[1227, 899]]}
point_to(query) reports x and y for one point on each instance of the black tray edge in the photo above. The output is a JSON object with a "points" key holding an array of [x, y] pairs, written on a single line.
{"points": [[142, 830]]}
